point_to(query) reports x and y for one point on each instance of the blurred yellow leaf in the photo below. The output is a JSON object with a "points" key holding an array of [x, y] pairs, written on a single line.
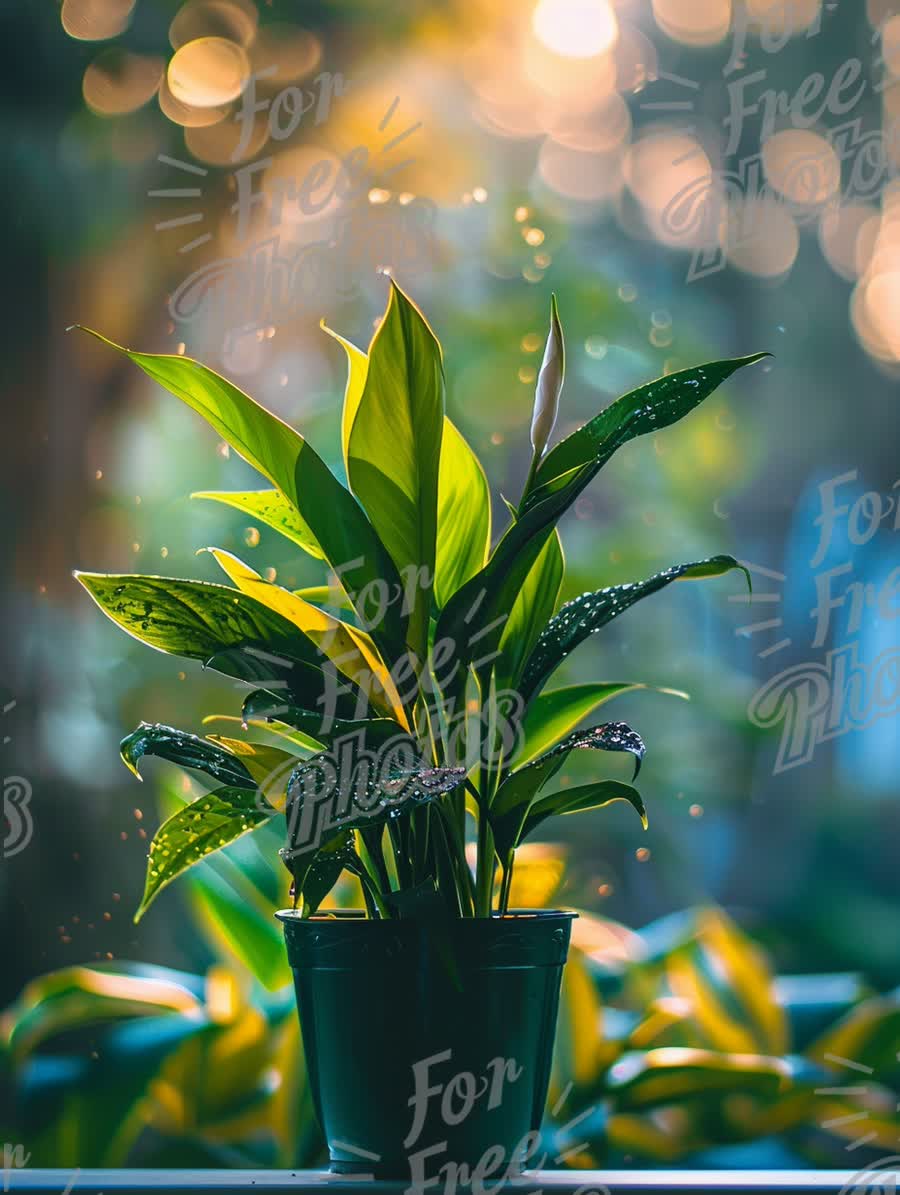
{"points": [[729, 986]]}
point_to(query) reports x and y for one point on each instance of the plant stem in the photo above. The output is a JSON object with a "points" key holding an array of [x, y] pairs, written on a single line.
{"points": [[484, 871], [372, 840], [400, 843], [532, 470], [503, 905], [444, 865], [371, 908], [456, 843]]}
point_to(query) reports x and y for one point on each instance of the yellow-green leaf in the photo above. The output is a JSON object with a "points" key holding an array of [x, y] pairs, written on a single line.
{"points": [[727, 982], [464, 516], [346, 538], [673, 1074], [357, 367], [351, 650], [195, 619], [394, 450], [207, 824], [273, 509]]}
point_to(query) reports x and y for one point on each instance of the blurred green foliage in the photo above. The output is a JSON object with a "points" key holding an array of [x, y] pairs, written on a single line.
{"points": [[673, 1043]]}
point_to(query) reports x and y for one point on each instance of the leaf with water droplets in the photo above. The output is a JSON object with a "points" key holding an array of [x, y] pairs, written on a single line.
{"points": [[556, 712], [316, 873], [317, 729], [269, 767], [516, 795], [585, 615], [195, 619], [207, 824], [187, 750], [353, 787], [647, 409], [474, 618]]}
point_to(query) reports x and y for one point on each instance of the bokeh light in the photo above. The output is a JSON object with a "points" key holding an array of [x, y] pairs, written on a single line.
{"points": [[288, 52], [575, 28], [760, 237], [843, 236], [671, 176], [187, 115], [117, 81], [232, 20], [694, 22], [778, 17], [95, 20], [208, 72], [802, 166]]}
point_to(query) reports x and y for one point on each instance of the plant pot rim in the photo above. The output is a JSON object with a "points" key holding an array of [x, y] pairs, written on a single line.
{"points": [[360, 916]]}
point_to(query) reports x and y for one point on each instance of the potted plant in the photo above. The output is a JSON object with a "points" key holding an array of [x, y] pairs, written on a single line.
{"points": [[408, 702]]}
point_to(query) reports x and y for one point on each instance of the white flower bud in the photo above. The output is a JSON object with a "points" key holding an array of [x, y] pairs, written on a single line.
{"points": [[549, 384]]}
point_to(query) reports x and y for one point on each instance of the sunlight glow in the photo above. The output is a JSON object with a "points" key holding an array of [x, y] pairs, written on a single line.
{"points": [[575, 28]]}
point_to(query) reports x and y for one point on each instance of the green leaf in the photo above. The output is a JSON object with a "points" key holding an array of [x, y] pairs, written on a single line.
{"points": [[75, 997], [584, 615], [316, 872], [294, 681], [395, 448], [376, 731], [187, 750], [238, 919], [674, 1074], [530, 613], [224, 628], [234, 894], [648, 409], [347, 648], [324, 595], [195, 619], [269, 767], [304, 745], [581, 799], [554, 713], [361, 791], [212, 821], [273, 509], [474, 619], [346, 538], [464, 516], [515, 796]]}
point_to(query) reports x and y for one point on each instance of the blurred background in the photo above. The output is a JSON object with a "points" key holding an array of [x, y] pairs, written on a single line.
{"points": [[695, 179]]}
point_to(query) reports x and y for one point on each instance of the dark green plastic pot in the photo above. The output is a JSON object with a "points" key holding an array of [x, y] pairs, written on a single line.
{"points": [[390, 1009]]}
